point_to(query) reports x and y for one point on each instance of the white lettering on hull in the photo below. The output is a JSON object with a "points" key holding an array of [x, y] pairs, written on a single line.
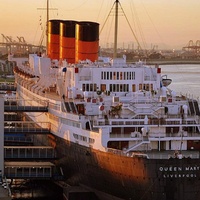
{"points": [[179, 172]]}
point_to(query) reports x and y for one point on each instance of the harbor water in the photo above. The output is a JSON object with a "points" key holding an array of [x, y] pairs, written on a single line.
{"points": [[36, 189], [185, 78]]}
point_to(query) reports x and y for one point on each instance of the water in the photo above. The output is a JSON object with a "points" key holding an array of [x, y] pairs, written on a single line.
{"points": [[185, 78], [36, 190]]}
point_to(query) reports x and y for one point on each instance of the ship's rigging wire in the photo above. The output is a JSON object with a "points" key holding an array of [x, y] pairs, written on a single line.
{"points": [[98, 16], [42, 27], [111, 10], [137, 24], [42, 37], [36, 32], [55, 9], [109, 24], [108, 30], [152, 23], [106, 19], [130, 27], [77, 7], [100, 10]]}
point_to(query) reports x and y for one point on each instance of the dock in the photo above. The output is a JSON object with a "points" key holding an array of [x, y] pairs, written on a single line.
{"points": [[20, 159], [4, 194]]}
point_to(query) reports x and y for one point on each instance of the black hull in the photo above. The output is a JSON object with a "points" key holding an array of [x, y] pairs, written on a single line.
{"points": [[130, 178]]}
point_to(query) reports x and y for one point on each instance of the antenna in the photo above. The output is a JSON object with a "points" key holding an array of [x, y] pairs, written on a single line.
{"points": [[47, 9]]}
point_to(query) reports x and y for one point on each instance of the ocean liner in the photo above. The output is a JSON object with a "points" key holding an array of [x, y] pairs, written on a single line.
{"points": [[117, 127]]}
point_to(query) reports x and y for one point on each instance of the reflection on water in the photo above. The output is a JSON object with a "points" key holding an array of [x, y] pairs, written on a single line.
{"points": [[37, 190]]}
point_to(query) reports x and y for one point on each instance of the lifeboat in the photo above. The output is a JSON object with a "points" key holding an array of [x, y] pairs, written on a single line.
{"points": [[166, 81]]}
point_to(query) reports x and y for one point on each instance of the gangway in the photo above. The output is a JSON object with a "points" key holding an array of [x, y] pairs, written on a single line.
{"points": [[30, 170], [7, 87], [18, 139], [12, 116], [16, 108], [25, 106], [28, 152], [18, 159], [28, 127]]}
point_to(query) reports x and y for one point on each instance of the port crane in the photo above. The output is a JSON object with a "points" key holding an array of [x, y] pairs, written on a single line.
{"points": [[191, 46], [8, 45]]}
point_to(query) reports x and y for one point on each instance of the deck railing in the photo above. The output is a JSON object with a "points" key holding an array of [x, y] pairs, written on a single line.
{"points": [[155, 154]]}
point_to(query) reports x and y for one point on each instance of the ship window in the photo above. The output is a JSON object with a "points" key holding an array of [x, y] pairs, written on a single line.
{"points": [[133, 88], [103, 87], [95, 87], [151, 87], [126, 89], [121, 87], [70, 123], [110, 87], [114, 88], [114, 75], [83, 138], [102, 75], [124, 75], [107, 76], [133, 75], [117, 88], [75, 136], [110, 75], [87, 87], [121, 76], [130, 77], [117, 75], [91, 140], [148, 87], [91, 87], [83, 87]]}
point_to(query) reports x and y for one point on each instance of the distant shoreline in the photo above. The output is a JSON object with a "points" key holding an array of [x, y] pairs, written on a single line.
{"points": [[172, 62], [161, 61]]}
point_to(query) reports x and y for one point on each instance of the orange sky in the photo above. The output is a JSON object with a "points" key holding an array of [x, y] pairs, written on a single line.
{"points": [[162, 23]]}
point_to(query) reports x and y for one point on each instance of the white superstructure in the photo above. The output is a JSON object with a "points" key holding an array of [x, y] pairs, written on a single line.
{"points": [[110, 104]]}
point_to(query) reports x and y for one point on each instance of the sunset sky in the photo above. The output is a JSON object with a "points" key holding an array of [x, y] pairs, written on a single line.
{"points": [[159, 23]]}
